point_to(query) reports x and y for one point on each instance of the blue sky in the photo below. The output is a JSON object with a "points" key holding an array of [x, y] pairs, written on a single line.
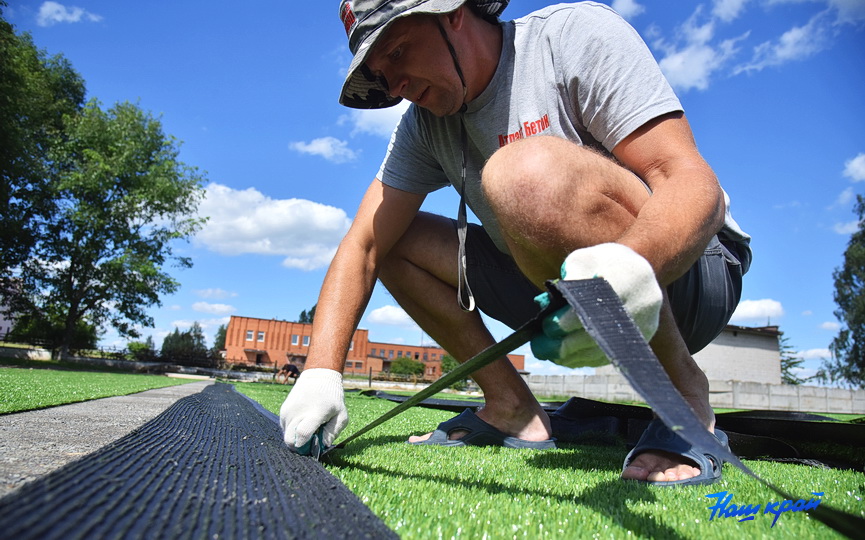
{"points": [[772, 88]]}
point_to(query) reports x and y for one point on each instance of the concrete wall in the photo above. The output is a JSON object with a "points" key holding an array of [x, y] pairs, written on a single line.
{"points": [[740, 354], [25, 354], [737, 354], [727, 394]]}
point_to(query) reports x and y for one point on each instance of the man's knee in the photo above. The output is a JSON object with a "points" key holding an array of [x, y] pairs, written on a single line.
{"points": [[548, 188], [528, 168]]}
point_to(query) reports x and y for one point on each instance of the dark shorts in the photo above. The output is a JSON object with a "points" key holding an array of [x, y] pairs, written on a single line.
{"points": [[703, 300]]}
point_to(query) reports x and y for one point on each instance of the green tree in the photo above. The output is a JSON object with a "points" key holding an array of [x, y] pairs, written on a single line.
{"points": [[143, 351], [406, 366], [307, 316], [186, 348], [847, 365], [449, 363], [219, 339], [122, 199], [789, 362], [48, 330], [36, 92]]}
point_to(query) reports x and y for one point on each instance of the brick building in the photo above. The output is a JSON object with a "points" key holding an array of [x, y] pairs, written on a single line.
{"points": [[273, 343]]}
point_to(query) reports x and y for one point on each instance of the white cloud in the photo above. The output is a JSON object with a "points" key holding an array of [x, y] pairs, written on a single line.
{"points": [[213, 309], [205, 324], [390, 315], [849, 11], [696, 55], [757, 310], [803, 373], [215, 294], [51, 13], [831, 325], [844, 198], [691, 67], [846, 228], [728, 10], [306, 233], [330, 148], [798, 43], [628, 9], [379, 122], [813, 354], [854, 169], [692, 63]]}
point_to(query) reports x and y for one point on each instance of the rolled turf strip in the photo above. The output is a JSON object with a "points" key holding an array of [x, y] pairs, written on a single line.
{"points": [[210, 466]]}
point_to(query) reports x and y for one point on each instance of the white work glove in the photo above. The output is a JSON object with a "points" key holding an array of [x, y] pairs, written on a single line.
{"points": [[316, 401], [563, 340]]}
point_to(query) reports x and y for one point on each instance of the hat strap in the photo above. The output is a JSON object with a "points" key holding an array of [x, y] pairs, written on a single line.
{"points": [[456, 61], [464, 293]]}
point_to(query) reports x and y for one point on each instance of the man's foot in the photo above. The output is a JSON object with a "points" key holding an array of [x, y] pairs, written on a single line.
{"points": [[656, 466], [661, 457], [530, 425]]}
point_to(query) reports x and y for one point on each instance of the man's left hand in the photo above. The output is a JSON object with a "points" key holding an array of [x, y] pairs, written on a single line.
{"points": [[563, 340]]}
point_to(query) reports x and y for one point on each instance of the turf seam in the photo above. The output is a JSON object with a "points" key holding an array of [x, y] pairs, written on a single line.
{"points": [[210, 465]]}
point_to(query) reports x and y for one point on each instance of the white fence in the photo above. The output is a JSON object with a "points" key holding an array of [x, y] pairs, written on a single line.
{"points": [[727, 394]]}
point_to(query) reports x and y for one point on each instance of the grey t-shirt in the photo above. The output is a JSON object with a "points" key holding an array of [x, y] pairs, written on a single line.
{"points": [[576, 71]]}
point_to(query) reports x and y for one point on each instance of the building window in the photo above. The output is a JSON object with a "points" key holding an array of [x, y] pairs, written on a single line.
{"points": [[351, 345], [399, 354], [260, 336], [390, 353], [358, 365], [295, 339], [373, 352], [249, 335], [306, 341], [425, 357]]}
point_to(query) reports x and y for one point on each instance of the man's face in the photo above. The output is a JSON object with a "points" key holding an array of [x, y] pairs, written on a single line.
{"points": [[414, 60]]}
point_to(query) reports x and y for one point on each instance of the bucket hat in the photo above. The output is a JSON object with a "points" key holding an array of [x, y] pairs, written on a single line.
{"points": [[365, 21]]}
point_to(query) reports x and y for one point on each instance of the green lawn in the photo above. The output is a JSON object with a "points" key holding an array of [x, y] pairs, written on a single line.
{"points": [[25, 387], [431, 492], [573, 492]]}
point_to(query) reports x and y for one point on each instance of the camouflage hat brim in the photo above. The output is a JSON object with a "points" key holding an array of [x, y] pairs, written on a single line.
{"points": [[365, 22]]}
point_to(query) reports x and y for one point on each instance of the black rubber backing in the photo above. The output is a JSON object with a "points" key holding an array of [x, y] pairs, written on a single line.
{"points": [[210, 466]]}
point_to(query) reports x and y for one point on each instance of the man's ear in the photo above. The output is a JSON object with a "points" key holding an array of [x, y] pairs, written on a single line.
{"points": [[456, 18]]}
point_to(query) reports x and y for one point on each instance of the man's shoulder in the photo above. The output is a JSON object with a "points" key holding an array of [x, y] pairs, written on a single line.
{"points": [[556, 11]]}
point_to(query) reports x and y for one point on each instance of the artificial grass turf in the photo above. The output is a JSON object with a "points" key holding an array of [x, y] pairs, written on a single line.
{"points": [[572, 492], [23, 389]]}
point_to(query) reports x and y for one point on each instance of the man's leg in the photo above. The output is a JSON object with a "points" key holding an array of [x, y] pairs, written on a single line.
{"points": [[551, 197], [421, 274]]}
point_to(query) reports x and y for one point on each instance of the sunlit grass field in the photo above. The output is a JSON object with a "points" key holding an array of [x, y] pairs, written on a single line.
{"points": [[427, 492], [431, 492], [25, 387]]}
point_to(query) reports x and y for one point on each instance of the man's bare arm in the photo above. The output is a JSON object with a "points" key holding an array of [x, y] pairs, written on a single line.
{"points": [[383, 216], [687, 205]]}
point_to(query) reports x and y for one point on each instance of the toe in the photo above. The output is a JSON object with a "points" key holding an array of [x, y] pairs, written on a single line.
{"points": [[660, 467], [419, 438], [453, 435]]}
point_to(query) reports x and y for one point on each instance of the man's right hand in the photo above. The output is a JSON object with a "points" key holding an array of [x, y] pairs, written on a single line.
{"points": [[316, 400]]}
